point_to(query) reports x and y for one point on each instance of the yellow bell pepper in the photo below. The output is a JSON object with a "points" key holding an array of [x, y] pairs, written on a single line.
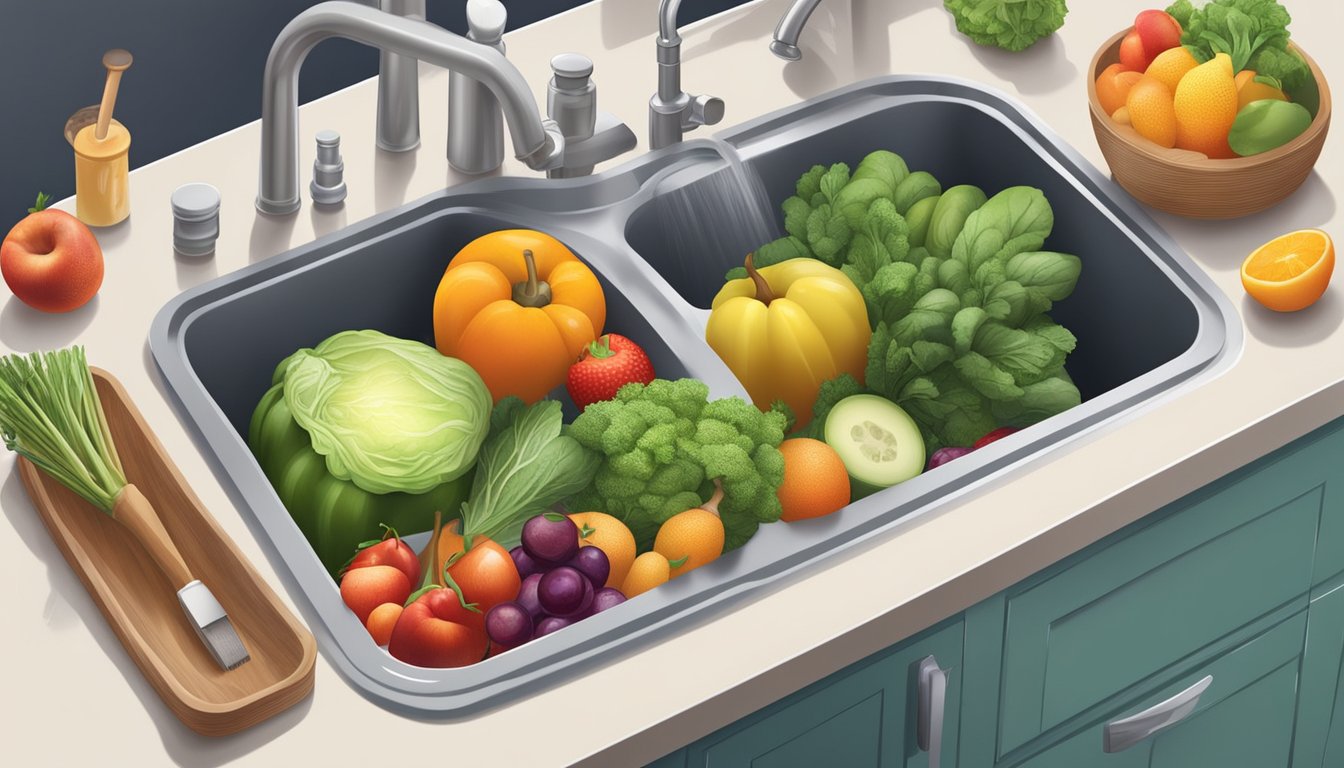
{"points": [[786, 328]]}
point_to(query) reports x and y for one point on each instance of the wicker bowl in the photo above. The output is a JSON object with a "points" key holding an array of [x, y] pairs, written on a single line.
{"points": [[1190, 184]]}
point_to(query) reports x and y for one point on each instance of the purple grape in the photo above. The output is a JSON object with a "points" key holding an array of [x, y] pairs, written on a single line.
{"points": [[593, 563], [607, 597], [527, 596], [561, 591], [524, 562], [509, 624], [944, 455], [550, 624], [551, 538]]}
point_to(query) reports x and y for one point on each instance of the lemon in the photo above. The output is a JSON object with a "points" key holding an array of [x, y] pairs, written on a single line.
{"points": [[1206, 106]]}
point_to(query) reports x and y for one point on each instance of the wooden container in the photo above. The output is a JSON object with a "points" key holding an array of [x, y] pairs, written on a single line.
{"points": [[1190, 184], [140, 604]]}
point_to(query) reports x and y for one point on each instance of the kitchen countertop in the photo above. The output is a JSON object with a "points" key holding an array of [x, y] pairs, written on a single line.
{"points": [[74, 695]]}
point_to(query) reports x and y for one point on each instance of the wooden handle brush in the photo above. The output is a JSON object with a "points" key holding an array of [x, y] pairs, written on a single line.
{"points": [[50, 414]]}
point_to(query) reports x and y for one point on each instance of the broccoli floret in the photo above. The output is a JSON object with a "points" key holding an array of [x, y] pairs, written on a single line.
{"points": [[663, 445]]}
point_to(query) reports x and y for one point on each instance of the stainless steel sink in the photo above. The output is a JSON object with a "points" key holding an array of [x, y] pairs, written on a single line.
{"points": [[1146, 320]]}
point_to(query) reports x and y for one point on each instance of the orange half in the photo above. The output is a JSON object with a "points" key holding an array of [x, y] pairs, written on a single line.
{"points": [[1291, 271]]}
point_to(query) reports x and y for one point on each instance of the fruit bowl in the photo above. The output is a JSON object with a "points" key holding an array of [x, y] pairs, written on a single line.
{"points": [[1188, 183]]}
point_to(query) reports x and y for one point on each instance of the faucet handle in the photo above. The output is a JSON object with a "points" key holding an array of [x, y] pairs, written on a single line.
{"points": [[703, 110]]}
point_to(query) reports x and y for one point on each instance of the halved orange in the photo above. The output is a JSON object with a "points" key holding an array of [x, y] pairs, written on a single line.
{"points": [[1291, 271]]}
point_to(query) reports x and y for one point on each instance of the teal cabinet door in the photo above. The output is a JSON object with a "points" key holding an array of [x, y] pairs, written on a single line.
{"points": [[864, 716], [1244, 718], [1320, 720]]}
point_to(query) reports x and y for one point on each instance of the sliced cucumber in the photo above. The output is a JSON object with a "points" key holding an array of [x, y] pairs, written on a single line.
{"points": [[877, 440]]}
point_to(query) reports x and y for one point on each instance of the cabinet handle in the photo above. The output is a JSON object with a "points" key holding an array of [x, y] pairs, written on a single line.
{"points": [[932, 697], [1122, 734]]}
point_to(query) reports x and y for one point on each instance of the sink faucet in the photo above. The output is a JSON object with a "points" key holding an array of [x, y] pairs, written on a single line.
{"points": [[399, 87], [785, 44], [672, 111], [538, 143]]}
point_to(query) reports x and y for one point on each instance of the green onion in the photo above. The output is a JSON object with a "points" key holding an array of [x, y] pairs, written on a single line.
{"points": [[50, 414]]}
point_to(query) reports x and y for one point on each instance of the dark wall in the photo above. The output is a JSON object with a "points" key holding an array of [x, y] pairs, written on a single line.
{"points": [[197, 73]]}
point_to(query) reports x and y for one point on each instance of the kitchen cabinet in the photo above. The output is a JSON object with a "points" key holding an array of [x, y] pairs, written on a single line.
{"points": [[865, 715], [1242, 580]]}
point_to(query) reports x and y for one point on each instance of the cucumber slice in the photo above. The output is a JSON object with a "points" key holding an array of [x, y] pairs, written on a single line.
{"points": [[877, 440]]}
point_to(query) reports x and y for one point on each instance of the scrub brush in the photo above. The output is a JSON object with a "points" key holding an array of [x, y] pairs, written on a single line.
{"points": [[50, 414]]}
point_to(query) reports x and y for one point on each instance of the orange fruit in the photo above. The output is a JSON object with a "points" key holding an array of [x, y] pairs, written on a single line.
{"points": [[692, 538], [609, 534], [1291, 271], [648, 571], [1171, 65], [1206, 106], [815, 483], [1249, 90], [1152, 111], [1113, 85], [381, 621]]}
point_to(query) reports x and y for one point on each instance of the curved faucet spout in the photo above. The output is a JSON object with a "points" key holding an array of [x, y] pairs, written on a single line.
{"points": [[667, 23], [785, 44], [536, 142]]}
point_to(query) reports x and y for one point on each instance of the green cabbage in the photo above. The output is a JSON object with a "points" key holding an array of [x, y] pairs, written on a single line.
{"points": [[387, 414], [1009, 24]]}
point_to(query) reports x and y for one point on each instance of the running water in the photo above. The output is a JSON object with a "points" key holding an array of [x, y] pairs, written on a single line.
{"points": [[709, 223]]}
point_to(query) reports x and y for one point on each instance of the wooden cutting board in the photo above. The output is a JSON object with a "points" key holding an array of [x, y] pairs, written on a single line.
{"points": [[141, 605]]}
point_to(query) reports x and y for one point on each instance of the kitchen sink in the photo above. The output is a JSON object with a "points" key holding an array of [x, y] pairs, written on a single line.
{"points": [[1146, 320]]}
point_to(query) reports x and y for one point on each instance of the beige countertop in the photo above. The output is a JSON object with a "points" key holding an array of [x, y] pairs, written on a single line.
{"points": [[73, 696]]}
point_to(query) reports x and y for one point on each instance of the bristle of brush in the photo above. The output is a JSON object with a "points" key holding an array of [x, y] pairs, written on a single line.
{"points": [[223, 642]]}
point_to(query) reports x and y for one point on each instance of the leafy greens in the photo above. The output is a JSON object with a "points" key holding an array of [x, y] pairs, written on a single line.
{"points": [[1253, 33], [1009, 24]]}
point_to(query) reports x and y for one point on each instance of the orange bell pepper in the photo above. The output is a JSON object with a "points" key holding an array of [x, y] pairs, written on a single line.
{"points": [[519, 307]]}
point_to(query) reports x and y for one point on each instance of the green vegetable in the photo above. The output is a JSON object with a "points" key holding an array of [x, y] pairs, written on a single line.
{"points": [[50, 414], [1009, 24], [917, 186], [878, 442], [1263, 125], [336, 515], [1253, 33], [527, 465], [949, 217], [365, 429], [388, 414], [918, 217], [664, 443], [964, 345]]}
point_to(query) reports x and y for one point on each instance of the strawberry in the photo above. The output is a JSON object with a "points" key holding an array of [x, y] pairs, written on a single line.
{"points": [[605, 366]]}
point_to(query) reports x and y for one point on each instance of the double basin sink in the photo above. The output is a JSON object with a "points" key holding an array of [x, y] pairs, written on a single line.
{"points": [[1145, 318]]}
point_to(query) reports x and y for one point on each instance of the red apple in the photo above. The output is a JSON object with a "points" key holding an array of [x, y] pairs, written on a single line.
{"points": [[1158, 31], [437, 631], [51, 261], [1132, 53], [364, 589], [393, 552]]}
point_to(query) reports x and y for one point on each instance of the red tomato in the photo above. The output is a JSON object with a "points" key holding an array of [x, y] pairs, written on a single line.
{"points": [[436, 631], [485, 572], [393, 552], [1158, 31], [364, 589], [1132, 53]]}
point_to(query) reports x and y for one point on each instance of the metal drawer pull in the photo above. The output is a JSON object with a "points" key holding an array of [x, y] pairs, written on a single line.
{"points": [[1122, 734], [932, 697]]}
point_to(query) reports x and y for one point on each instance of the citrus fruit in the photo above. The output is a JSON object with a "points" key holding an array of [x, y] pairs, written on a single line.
{"points": [[1171, 65], [1113, 85], [1121, 116], [648, 571], [1152, 112], [609, 534], [815, 483], [1291, 271], [1249, 90], [1206, 105]]}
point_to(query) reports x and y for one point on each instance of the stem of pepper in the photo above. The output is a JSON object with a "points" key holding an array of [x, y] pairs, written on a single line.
{"points": [[763, 292], [532, 292]]}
